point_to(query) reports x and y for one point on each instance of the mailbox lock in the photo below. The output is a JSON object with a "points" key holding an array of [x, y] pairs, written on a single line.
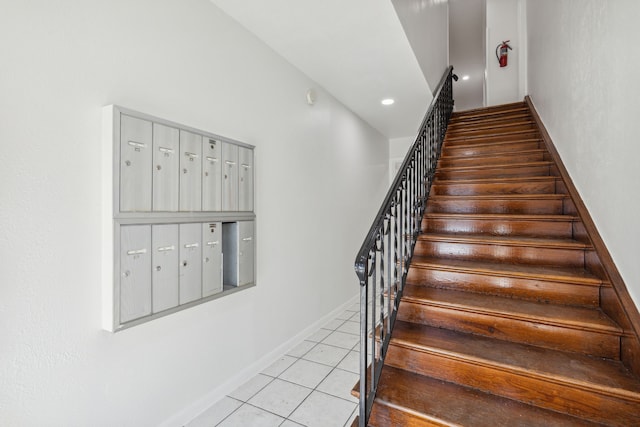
{"points": [[206, 259], [184, 263], [158, 268], [159, 167], [127, 162], [126, 273], [184, 170], [206, 174]]}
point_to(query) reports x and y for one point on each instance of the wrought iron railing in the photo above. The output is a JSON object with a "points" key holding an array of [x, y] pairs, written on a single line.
{"points": [[383, 261]]}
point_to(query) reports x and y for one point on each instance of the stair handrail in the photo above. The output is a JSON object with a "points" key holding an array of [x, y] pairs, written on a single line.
{"points": [[398, 222]]}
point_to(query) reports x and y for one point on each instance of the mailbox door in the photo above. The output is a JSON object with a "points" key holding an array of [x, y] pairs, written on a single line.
{"points": [[135, 272], [166, 165], [246, 252], [211, 175], [245, 181], [190, 265], [164, 266], [190, 171], [135, 164], [211, 258], [229, 177]]}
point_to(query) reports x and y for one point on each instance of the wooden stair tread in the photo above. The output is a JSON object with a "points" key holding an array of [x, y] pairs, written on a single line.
{"points": [[559, 274], [581, 318], [454, 405], [494, 166], [496, 144], [603, 376], [504, 240], [463, 157], [536, 196], [524, 115], [497, 109], [468, 138], [496, 180], [500, 216]]}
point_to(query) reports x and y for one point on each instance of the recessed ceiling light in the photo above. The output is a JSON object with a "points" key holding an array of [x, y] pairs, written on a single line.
{"points": [[387, 101], [465, 77]]}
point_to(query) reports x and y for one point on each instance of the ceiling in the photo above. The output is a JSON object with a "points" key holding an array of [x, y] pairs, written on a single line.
{"points": [[356, 50]]}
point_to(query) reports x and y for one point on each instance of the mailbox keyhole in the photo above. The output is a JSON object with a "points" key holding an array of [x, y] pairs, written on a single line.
{"points": [[158, 268], [184, 263], [159, 167], [184, 170], [127, 162]]}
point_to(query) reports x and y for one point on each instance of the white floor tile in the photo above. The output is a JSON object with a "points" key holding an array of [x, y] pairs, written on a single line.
{"points": [[355, 306], [306, 373], [322, 410], [216, 413], [351, 418], [339, 383], [289, 423], [351, 362], [301, 349], [355, 317], [326, 354], [279, 366], [333, 324], [251, 387], [345, 315], [318, 335], [280, 397], [249, 415], [350, 328], [340, 339]]}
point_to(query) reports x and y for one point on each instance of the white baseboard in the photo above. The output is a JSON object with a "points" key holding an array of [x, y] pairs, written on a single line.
{"points": [[192, 411]]}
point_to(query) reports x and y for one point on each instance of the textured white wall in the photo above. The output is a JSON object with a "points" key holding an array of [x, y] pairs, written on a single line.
{"points": [[319, 171], [505, 21], [583, 80], [426, 25]]}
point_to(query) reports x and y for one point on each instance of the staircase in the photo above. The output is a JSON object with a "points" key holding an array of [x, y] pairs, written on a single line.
{"points": [[501, 320]]}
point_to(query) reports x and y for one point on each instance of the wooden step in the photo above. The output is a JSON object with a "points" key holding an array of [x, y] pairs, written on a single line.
{"points": [[486, 186], [500, 119], [500, 224], [514, 136], [542, 168], [572, 286], [490, 148], [409, 399], [510, 249], [544, 204], [490, 128], [596, 389], [487, 112], [559, 327], [524, 156]]}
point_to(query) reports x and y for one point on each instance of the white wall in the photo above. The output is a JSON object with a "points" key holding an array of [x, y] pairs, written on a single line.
{"points": [[319, 171], [583, 81], [505, 21], [426, 25]]}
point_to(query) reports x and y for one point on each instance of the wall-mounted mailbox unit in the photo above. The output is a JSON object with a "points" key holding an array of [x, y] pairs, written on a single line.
{"points": [[179, 226]]}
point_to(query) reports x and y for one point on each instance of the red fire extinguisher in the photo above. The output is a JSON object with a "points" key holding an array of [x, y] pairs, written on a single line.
{"points": [[504, 49]]}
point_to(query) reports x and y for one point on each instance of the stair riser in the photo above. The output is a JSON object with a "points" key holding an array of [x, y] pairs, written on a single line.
{"points": [[525, 288], [501, 253], [470, 189], [470, 124], [482, 130], [491, 160], [496, 227], [558, 337], [539, 391], [498, 172], [484, 113], [506, 137], [479, 149], [497, 206]]}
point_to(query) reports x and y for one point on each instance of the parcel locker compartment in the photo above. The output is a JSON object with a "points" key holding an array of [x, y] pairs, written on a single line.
{"points": [[135, 272], [164, 261], [190, 171], [229, 177], [166, 165], [211, 175], [135, 164], [230, 254], [211, 258], [245, 179], [246, 251], [190, 266]]}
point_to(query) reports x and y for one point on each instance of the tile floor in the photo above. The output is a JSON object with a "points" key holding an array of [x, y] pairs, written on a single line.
{"points": [[309, 386]]}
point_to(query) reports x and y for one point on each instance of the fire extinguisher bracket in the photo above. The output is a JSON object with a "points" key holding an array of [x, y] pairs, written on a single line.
{"points": [[502, 53]]}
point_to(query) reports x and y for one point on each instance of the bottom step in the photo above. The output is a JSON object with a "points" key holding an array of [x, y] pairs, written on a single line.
{"points": [[405, 398]]}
